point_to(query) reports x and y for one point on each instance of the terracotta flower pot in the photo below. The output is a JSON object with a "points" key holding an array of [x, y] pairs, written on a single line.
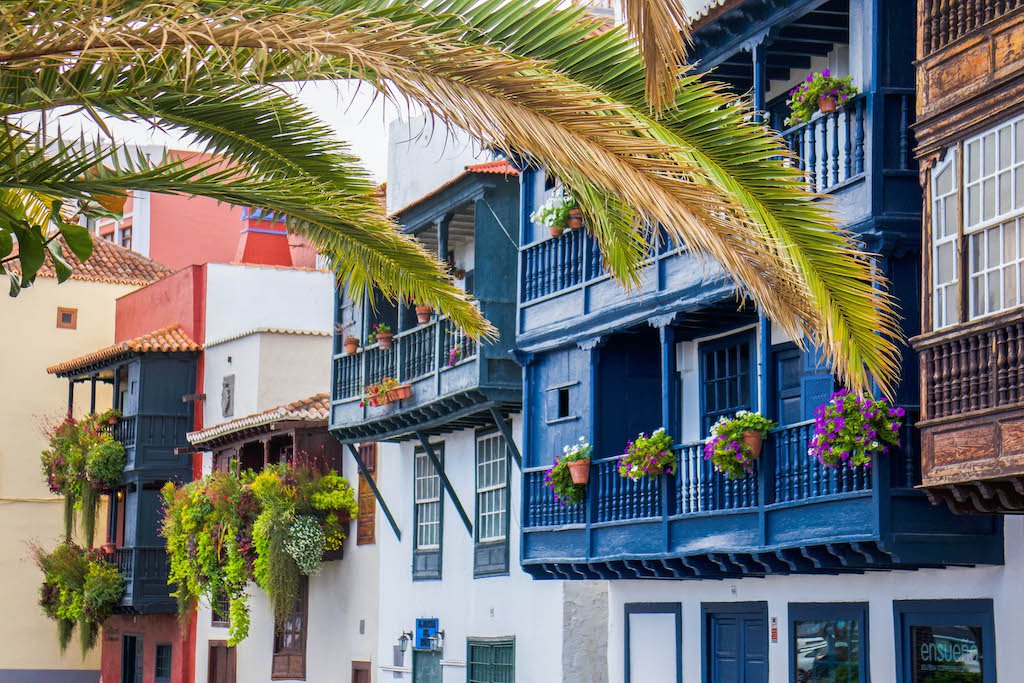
{"points": [[385, 339], [351, 345], [108, 548], [400, 392], [826, 104], [579, 470], [112, 420], [753, 440], [423, 314], [655, 470], [575, 221], [557, 230], [376, 401]]}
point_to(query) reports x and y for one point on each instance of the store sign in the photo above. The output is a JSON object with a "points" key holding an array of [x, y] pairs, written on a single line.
{"points": [[942, 651], [425, 630]]}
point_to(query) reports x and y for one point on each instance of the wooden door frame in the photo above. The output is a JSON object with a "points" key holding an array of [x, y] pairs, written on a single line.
{"points": [[232, 663], [361, 665]]}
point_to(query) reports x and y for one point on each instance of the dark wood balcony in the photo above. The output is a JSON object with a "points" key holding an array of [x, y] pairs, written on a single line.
{"points": [[791, 516], [145, 570]]}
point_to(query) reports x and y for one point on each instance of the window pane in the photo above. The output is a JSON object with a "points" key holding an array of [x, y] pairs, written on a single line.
{"points": [[1005, 148], [973, 206], [1005, 193], [988, 153], [828, 651], [988, 199], [973, 161], [951, 306], [946, 653], [945, 262]]}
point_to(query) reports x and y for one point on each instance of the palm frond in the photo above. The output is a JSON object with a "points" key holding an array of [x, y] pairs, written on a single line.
{"points": [[662, 30]]}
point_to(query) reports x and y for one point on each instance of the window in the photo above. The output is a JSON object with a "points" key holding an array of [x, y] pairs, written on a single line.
{"points": [[366, 527], [67, 318], [290, 639], [563, 402], [220, 611], [828, 642], [491, 552], [162, 663], [126, 237], [945, 640], [726, 377], [427, 513], [945, 299], [491, 660]]}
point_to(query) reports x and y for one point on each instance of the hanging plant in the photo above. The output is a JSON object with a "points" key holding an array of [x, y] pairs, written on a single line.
{"points": [[80, 590], [83, 462], [648, 456], [228, 529], [559, 479], [735, 443], [852, 428], [554, 212]]}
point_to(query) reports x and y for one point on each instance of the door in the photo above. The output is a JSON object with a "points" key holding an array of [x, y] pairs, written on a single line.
{"points": [[222, 662], [131, 659], [426, 666], [728, 374], [360, 672], [736, 641]]}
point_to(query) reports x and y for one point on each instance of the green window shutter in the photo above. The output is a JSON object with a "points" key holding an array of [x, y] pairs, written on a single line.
{"points": [[491, 661]]}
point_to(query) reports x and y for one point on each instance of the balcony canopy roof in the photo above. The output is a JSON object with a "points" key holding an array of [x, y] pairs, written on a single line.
{"points": [[168, 339], [313, 410], [449, 196]]}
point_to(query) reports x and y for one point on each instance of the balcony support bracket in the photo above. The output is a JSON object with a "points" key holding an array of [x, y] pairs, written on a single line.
{"points": [[444, 481], [364, 470], [506, 433]]}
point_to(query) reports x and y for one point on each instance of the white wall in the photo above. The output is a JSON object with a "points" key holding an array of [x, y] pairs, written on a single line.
{"points": [[1002, 584], [423, 155], [497, 606], [245, 297]]}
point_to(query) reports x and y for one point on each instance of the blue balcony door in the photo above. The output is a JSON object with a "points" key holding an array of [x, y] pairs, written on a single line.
{"points": [[426, 666], [727, 377], [736, 640], [801, 381]]}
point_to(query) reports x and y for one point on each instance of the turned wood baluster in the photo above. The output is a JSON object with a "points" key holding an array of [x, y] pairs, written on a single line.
{"points": [[1001, 369], [1017, 366], [970, 378], [941, 388], [823, 136], [835, 147], [1012, 340], [859, 139], [986, 370], [926, 36], [944, 22], [933, 23], [961, 18]]}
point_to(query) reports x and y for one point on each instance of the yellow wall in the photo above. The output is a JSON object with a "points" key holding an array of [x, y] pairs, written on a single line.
{"points": [[30, 342]]}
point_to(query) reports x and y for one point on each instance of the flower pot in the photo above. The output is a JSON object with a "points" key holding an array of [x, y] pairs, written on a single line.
{"points": [[423, 314], [112, 420], [400, 392], [753, 440], [655, 471], [108, 548], [376, 401], [351, 345], [575, 221], [556, 230], [826, 104], [385, 339], [579, 470]]}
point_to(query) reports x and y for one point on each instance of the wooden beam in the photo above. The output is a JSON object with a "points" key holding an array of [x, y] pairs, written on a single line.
{"points": [[439, 468], [368, 476], [510, 443]]}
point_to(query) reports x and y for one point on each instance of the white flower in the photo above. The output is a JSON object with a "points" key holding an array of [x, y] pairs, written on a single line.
{"points": [[875, 444]]}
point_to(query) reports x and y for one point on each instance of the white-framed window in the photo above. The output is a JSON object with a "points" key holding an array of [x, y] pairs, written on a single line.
{"points": [[945, 224], [491, 488], [993, 208], [428, 504]]}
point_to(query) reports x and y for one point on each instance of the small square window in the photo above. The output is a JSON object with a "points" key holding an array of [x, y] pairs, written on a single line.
{"points": [[563, 402], [67, 318]]}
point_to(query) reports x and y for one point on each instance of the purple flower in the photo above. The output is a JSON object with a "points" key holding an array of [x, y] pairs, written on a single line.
{"points": [[810, 78], [825, 73]]}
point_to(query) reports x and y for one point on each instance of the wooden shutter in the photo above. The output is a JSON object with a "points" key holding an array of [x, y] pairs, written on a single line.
{"points": [[817, 383], [290, 639], [366, 527], [222, 662]]}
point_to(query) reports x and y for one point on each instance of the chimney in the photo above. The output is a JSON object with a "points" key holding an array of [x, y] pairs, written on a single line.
{"points": [[264, 239]]}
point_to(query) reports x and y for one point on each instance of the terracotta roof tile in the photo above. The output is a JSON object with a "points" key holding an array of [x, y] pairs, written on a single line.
{"points": [[497, 167], [312, 409], [110, 263], [165, 340]]}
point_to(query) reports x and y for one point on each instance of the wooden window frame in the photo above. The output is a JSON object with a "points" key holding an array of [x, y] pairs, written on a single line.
{"points": [[488, 547], [156, 663], [424, 556], [735, 339], [366, 521], [67, 310], [291, 674]]}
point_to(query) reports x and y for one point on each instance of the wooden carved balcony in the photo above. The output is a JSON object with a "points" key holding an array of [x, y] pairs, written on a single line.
{"points": [[972, 380], [946, 21]]}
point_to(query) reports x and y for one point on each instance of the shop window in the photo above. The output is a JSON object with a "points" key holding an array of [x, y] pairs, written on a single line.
{"points": [[828, 642], [945, 640]]}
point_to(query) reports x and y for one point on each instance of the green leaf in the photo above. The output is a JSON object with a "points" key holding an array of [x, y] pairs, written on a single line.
{"points": [[6, 242], [78, 239], [31, 252], [62, 267]]}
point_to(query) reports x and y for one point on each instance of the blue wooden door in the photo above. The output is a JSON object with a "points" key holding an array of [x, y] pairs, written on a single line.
{"points": [[738, 647], [426, 666]]}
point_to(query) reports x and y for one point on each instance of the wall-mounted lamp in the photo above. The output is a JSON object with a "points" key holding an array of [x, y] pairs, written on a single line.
{"points": [[437, 641], [120, 495], [403, 641]]}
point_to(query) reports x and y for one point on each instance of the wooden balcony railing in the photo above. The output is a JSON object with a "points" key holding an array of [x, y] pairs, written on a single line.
{"points": [[830, 147], [945, 21], [785, 474], [415, 353], [978, 368]]}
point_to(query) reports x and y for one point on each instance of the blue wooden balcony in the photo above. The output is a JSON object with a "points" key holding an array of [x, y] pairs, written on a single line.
{"points": [[455, 383], [791, 516], [145, 571]]}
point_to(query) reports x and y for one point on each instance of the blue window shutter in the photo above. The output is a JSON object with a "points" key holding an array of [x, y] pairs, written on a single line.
{"points": [[816, 384]]}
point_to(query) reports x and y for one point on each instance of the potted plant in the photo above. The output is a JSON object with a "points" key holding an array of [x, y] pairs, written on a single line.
{"points": [[852, 428], [735, 443], [648, 456], [381, 333], [350, 342], [395, 390], [554, 212], [819, 92], [559, 479], [577, 458], [423, 313], [574, 220], [455, 354], [376, 395]]}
